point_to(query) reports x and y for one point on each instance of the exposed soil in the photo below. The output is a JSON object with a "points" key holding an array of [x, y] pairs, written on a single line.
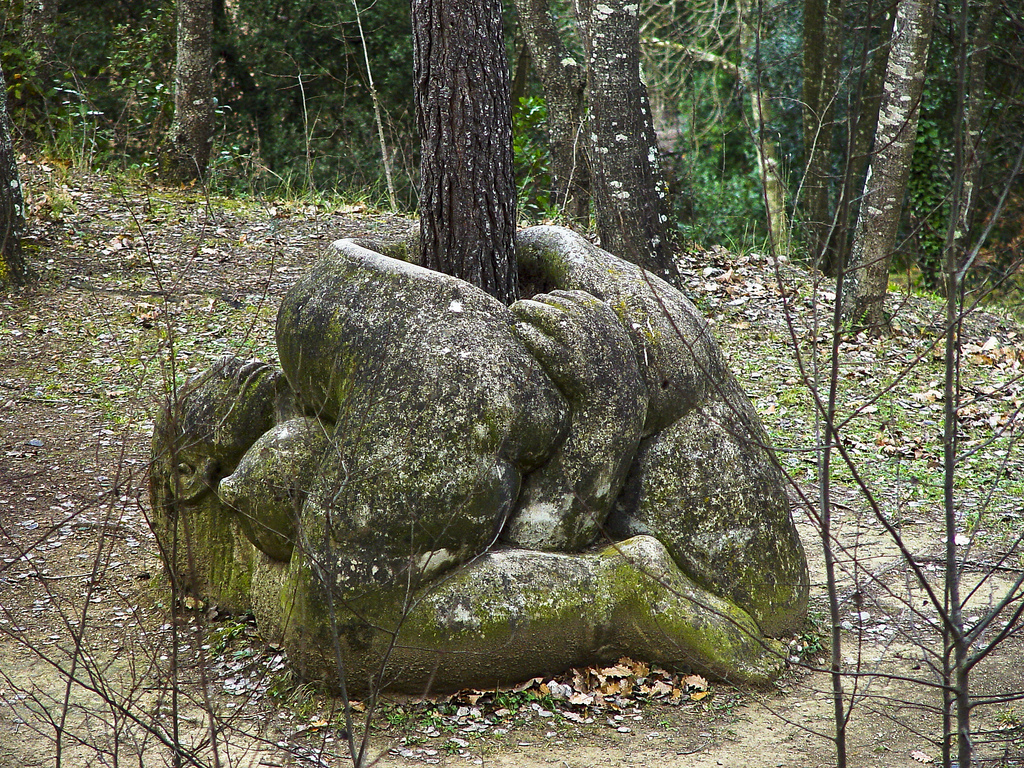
{"points": [[141, 287]]}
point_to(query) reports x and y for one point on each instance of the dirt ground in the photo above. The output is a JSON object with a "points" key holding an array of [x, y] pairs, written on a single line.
{"points": [[142, 285]]}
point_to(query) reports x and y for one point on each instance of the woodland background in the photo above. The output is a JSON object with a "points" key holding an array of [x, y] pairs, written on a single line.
{"points": [[732, 84], [902, 449]]}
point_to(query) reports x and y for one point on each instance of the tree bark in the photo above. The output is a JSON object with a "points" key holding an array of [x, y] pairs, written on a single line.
{"points": [[188, 141], [768, 167], [867, 279], [13, 270], [467, 188], [630, 206], [967, 145], [564, 82], [823, 26], [863, 120]]}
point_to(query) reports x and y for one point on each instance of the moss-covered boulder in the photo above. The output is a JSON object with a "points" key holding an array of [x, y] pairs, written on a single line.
{"points": [[434, 408], [678, 358], [704, 481], [513, 613], [198, 439], [427, 492], [268, 489], [583, 348], [709, 488]]}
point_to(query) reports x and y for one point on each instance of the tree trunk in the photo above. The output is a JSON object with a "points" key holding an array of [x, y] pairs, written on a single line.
{"points": [[823, 26], [970, 82], [467, 188], [967, 144], [867, 279], [564, 82], [188, 142], [12, 208], [866, 100], [768, 167], [630, 205]]}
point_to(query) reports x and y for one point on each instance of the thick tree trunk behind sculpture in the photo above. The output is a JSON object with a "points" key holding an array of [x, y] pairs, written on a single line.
{"points": [[467, 190]]}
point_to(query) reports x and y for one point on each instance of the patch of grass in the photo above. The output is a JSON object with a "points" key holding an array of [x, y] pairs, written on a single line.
{"points": [[813, 641], [1008, 718], [395, 715], [436, 717], [510, 700], [224, 636], [302, 699]]}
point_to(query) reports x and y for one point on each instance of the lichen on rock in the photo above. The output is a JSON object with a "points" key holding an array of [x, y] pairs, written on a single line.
{"points": [[463, 493]]}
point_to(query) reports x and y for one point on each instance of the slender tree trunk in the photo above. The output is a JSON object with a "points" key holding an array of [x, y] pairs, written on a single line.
{"points": [[881, 206], [630, 206], [467, 189], [12, 209], [968, 141], [972, 56], [823, 26], [521, 76], [188, 141], [564, 82], [385, 155], [863, 107], [768, 167]]}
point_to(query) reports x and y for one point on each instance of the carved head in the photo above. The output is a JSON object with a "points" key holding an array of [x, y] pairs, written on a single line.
{"points": [[201, 437]]}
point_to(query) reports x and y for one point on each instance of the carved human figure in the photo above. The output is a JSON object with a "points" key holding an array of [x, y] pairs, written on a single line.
{"points": [[464, 493]]}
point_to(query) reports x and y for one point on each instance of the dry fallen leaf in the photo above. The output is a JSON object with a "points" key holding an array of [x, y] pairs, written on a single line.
{"points": [[639, 668], [725, 277], [695, 683], [350, 210], [619, 670], [528, 684], [661, 688], [920, 756]]}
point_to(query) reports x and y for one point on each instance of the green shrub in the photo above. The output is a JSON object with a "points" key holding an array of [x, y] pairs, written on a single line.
{"points": [[532, 157]]}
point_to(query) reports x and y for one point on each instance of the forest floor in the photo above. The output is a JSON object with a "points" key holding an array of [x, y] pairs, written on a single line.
{"points": [[96, 670]]}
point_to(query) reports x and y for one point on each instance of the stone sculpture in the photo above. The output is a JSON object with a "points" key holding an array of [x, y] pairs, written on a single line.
{"points": [[438, 491]]}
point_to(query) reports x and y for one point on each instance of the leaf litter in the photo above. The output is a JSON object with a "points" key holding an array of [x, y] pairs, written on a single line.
{"points": [[77, 350]]}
